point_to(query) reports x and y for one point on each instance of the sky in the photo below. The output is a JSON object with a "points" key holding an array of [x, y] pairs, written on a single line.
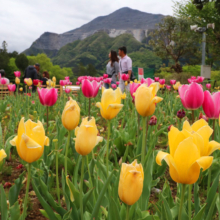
{"points": [[23, 21]]}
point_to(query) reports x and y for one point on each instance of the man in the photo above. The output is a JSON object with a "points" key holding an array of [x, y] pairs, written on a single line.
{"points": [[125, 66], [33, 73]]}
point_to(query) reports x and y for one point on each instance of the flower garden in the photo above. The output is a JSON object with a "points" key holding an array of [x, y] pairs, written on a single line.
{"points": [[150, 153]]}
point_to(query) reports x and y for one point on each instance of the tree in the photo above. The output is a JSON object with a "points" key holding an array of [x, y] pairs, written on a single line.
{"points": [[201, 3], [4, 58], [21, 62], [174, 40], [91, 70]]}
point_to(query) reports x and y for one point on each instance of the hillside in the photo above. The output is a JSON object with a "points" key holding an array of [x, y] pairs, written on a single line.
{"points": [[124, 20], [95, 50]]}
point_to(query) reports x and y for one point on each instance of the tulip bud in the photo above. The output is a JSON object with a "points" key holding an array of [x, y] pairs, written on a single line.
{"points": [[2, 155], [123, 96], [54, 79], [181, 114], [135, 81], [131, 82], [17, 80], [201, 116], [169, 127], [153, 120], [21, 89], [126, 83], [71, 115], [131, 182]]}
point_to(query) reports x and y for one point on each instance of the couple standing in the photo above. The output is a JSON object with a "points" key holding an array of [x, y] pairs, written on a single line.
{"points": [[116, 67]]}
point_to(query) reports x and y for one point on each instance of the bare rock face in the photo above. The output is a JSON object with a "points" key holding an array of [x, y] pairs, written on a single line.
{"points": [[124, 20]]}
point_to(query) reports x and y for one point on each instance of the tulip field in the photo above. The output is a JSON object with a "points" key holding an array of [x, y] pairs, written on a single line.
{"points": [[148, 153]]}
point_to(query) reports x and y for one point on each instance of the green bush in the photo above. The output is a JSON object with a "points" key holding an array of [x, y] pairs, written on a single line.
{"points": [[193, 70]]}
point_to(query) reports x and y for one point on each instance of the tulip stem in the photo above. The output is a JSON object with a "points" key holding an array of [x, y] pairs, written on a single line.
{"points": [[213, 134], [193, 118], [89, 107], [209, 179], [181, 201], [57, 177], [47, 117], [66, 154], [107, 153], [219, 197], [127, 212], [27, 190], [189, 201], [81, 187], [143, 152]]}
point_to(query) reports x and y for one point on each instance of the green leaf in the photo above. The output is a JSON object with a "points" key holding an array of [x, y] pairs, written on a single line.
{"points": [[86, 198], [113, 213], [212, 207], [74, 214], [199, 216], [49, 211], [101, 195], [4, 206], [14, 211], [166, 209], [15, 190], [196, 197], [67, 216], [8, 145], [76, 171], [44, 213]]}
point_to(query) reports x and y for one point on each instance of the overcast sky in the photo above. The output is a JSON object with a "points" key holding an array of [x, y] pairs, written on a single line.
{"points": [[23, 21]]}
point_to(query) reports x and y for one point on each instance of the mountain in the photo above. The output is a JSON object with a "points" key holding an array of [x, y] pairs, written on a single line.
{"points": [[124, 20], [95, 49]]}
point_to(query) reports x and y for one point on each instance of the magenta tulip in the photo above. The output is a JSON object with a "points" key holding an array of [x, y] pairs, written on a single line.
{"points": [[200, 79], [133, 88], [147, 81], [67, 78], [193, 77], [168, 87], [172, 82], [63, 82], [211, 104], [114, 86], [191, 96], [11, 87], [4, 81], [108, 80], [162, 81], [208, 86], [117, 82], [90, 89], [17, 74], [105, 76], [156, 79], [48, 97], [67, 90], [78, 83], [124, 77]]}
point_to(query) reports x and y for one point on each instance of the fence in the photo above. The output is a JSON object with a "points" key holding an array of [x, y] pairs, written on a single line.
{"points": [[148, 73]]}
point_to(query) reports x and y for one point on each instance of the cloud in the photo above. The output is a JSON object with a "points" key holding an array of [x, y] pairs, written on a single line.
{"points": [[22, 22]]}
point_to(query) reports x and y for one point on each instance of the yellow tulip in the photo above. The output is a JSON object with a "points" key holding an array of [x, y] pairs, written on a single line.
{"points": [[2, 154], [54, 79], [126, 83], [89, 130], [135, 81], [139, 82], [110, 104], [162, 86], [28, 81], [21, 89], [145, 99], [17, 80], [177, 85], [131, 182], [189, 151], [71, 115], [30, 140], [131, 82], [123, 96]]}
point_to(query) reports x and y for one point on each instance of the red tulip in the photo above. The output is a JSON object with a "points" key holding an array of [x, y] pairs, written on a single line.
{"points": [[211, 104], [105, 76], [208, 86], [11, 87], [172, 82], [133, 88], [48, 97], [200, 79], [124, 77], [156, 79], [191, 96], [17, 74], [114, 86], [7, 185], [90, 89], [162, 81], [147, 81], [20, 166], [37, 81]]}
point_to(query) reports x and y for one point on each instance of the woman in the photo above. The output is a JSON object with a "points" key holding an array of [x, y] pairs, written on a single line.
{"points": [[45, 77], [112, 68]]}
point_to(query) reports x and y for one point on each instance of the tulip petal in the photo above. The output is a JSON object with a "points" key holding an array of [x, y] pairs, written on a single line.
{"points": [[199, 124], [46, 141], [76, 130], [157, 99], [30, 143], [2, 155], [182, 89], [14, 141], [99, 105], [208, 105], [194, 170], [212, 146], [216, 99], [87, 88], [186, 126], [99, 139], [156, 87]]}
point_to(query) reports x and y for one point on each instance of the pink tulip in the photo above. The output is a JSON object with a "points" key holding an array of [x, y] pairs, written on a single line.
{"points": [[191, 96], [67, 90], [4, 81], [168, 87], [133, 88], [67, 78], [208, 86], [90, 89], [101, 77], [48, 97], [108, 80], [156, 79], [78, 83], [200, 79], [63, 82], [117, 82], [17, 74], [124, 77], [114, 86], [147, 81], [33, 102], [211, 104], [105, 76], [11, 87], [162, 81], [172, 82], [193, 77]]}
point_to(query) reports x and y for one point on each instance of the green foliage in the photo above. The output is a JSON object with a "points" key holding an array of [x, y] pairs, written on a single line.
{"points": [[193, 70], [10, 69], [21, 62]]}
